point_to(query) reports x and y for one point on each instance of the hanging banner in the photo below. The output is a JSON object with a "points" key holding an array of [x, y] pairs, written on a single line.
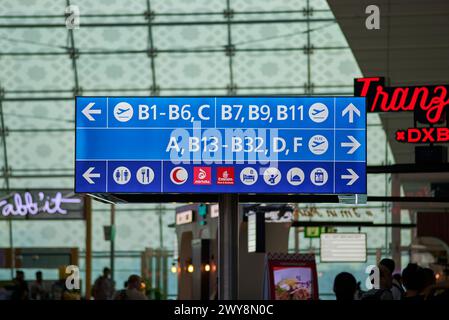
{"points": [[220, 145]]}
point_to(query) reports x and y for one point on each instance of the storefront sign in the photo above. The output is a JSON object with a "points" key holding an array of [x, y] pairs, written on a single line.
{"points": [[321, 213], [221, 145], [42, 204], [314, 213], [423, 135], [432, 100], [184, 217]]}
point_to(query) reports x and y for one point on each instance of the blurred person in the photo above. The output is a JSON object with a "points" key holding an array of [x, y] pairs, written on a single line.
{"points": [[38, 289], [396, 290], [439, 291], [413, 277], [20, 289], [214, 295], [429, 278], [71, 295], [430, 289], [385, 285], [397, 277], [345, 286], [59, 290], [359, 292], [5, 294], [133, 290], [120, 294], [103, 288], [58, 287]]}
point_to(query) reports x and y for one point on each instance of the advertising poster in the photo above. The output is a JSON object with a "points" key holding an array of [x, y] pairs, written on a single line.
{"points": [[291, 277]]}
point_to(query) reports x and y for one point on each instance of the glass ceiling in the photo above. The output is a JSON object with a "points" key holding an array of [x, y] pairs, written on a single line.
{"points": [[152, 47]]}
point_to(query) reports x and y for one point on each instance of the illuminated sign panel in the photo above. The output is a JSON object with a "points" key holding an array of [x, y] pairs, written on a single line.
{"points": [[423, 135], [256, 232], [42, 204], [221, 145], [214, 211], [431, 101], [252, 233], [343, 247]]}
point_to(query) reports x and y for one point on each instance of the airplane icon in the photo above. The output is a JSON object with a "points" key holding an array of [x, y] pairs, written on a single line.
{"points": [[123, 112], [120, 110], [316, 111], [317, 143]]}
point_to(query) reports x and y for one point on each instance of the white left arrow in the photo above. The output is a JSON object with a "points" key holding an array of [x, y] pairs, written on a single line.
{"points": [[88, 111], [354, 145], [88, 175], [352, 177]]}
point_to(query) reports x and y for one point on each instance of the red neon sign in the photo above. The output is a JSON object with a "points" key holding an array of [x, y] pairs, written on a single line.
{"points": [[423, 135], [430, 99]]}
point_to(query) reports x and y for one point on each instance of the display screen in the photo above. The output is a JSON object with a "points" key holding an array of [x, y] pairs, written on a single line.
{"points": [[291, 276], [343, 247], [293, 283]]}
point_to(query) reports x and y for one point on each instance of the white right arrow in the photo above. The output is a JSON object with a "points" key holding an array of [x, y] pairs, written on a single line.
{"points": [[88, 175], [351, 109], [88, 111], [354, 145], [352, 176]]}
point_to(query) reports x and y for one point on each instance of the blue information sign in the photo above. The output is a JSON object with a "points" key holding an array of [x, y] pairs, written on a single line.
{"points": [[220, 145]]}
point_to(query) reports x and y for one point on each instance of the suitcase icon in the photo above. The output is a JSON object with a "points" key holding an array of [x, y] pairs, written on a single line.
{"points": [[319, 176]]}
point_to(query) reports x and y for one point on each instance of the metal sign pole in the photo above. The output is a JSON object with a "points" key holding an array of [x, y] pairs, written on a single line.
{"points": [[228, 246], [112, 248], [88, 263]]}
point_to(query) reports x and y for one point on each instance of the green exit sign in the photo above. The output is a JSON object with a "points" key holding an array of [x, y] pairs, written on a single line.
{"points": [[315, 232], [312, 232]]}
